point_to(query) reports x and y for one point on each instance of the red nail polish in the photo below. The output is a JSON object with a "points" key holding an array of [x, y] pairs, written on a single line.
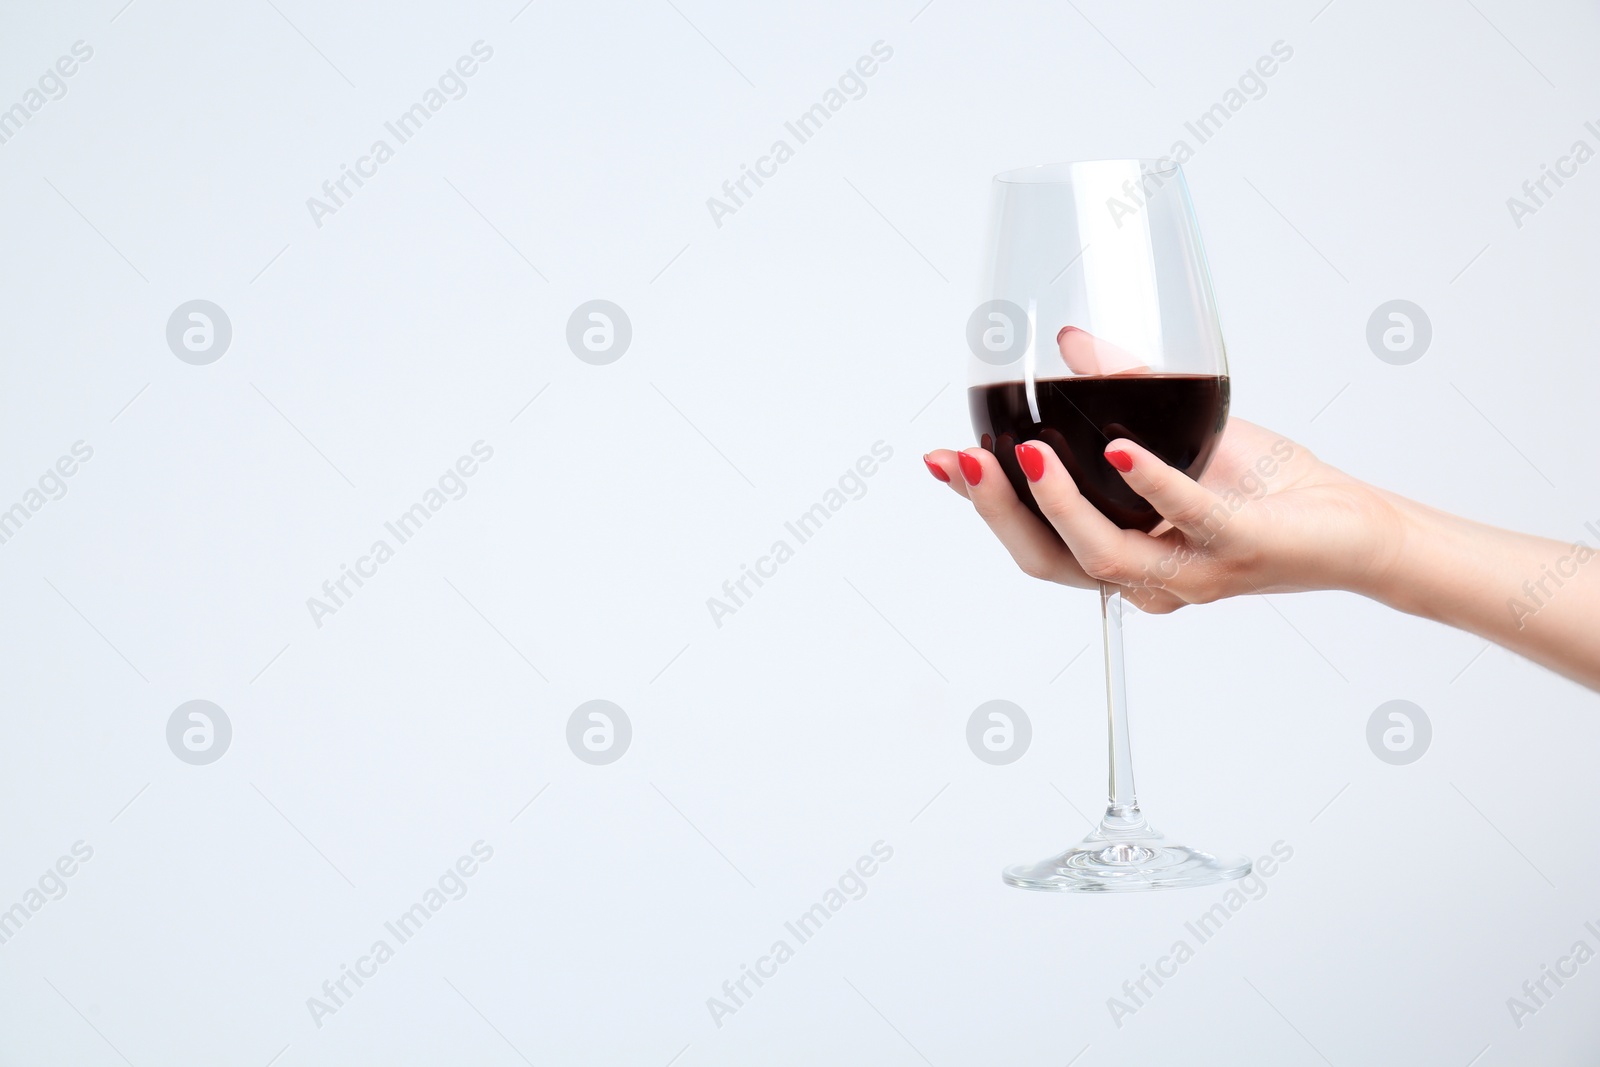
{"points": [[971, 469], [936, 470], [1032, 461], [1119, 459]]}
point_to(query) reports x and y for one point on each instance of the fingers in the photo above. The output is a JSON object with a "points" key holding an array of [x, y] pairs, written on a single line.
{"points": [[976, 475], [1104, 552], [943, 465], [1196, 512], [1158, 573]]}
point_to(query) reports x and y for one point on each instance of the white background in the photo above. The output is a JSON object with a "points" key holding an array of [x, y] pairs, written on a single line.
{"points": [[767, 356]]}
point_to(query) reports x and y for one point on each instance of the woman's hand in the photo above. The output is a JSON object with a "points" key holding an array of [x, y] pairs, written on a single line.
{"points": [[1267, 516]]}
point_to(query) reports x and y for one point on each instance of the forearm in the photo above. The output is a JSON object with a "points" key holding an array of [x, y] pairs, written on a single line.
{"points": [[1538, 597]]}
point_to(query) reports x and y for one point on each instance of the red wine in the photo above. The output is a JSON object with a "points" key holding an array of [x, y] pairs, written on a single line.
{"points": [[1179, 417]]}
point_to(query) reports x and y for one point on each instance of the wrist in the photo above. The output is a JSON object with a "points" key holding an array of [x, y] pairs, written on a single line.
{"points": [[1390, 560], [1427, 562]]}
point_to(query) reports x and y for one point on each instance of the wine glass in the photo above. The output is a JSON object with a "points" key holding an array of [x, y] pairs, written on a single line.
{"points": [[1097, 322]]}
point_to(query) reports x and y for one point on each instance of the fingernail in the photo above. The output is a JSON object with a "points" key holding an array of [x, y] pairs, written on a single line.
{"points": [[1119, 459], [936, 470], [971, 469], [1032, 461]]}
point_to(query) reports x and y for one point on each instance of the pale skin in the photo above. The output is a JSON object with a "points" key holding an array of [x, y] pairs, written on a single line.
{"points": [[1269, 517]]}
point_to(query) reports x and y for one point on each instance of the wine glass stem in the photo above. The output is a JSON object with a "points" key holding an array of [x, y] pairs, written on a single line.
{"points": [[1122, 804]]}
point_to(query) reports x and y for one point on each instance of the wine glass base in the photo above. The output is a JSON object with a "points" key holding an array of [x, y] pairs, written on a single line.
{"points": [[1125, 863]]}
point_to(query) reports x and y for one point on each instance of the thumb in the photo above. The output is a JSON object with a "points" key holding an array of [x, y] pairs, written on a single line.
{"points": [[1192, 509], [1084, 353]]}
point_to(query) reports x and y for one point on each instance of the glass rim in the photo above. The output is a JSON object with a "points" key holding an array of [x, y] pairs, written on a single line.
{"points": [[1063, 172]]}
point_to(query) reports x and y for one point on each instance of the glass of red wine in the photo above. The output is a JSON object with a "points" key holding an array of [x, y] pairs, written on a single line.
{"points": [[1098, 323]]}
